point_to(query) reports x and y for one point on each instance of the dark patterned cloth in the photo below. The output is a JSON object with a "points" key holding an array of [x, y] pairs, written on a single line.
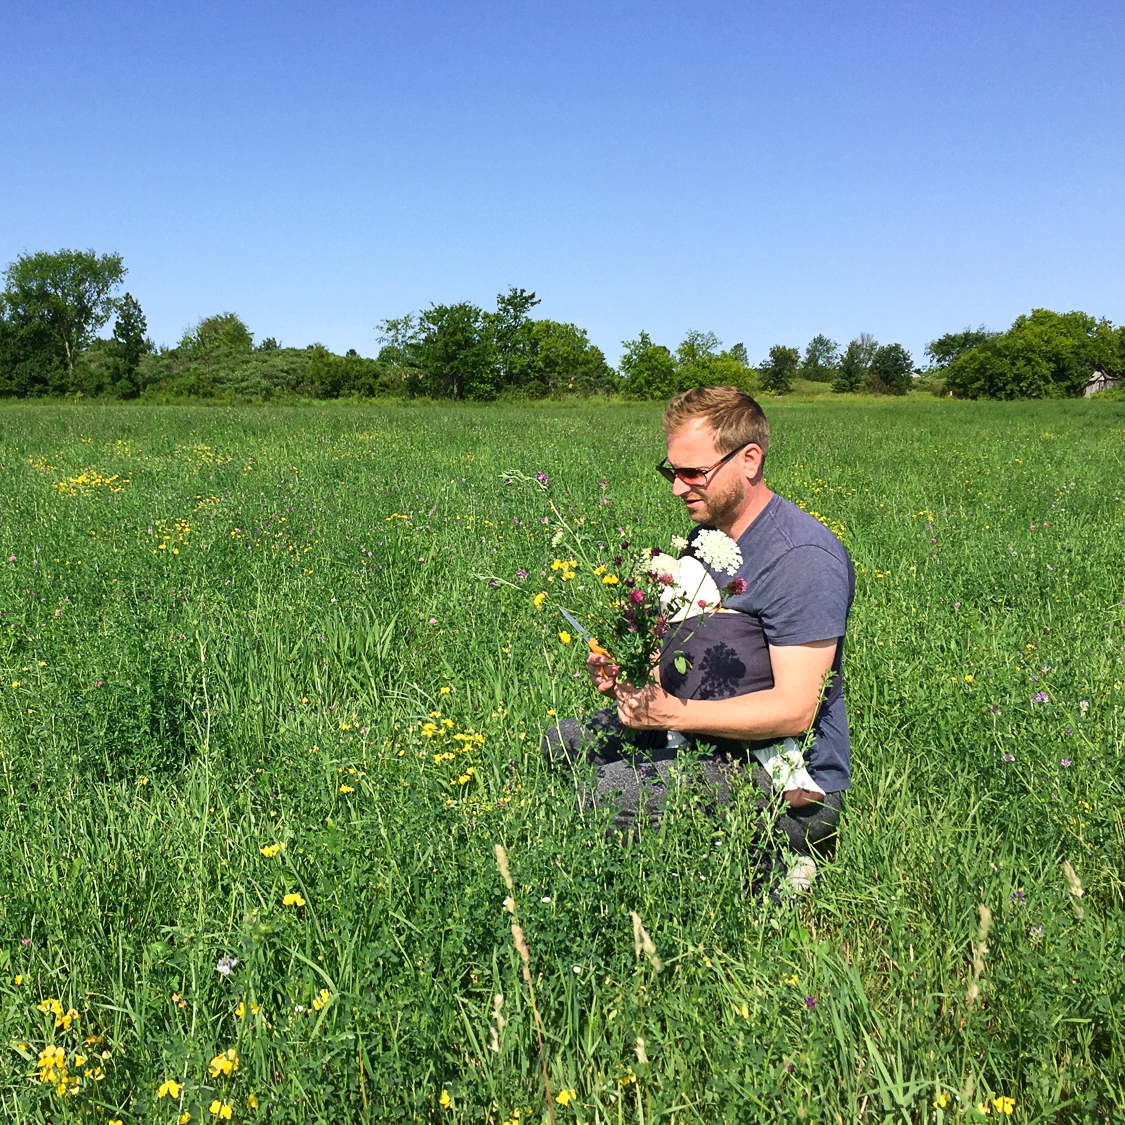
{"points": [[633, 776]]}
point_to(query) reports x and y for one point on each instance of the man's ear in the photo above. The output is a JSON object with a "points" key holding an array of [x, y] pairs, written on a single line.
{"points": [[752, 460]]}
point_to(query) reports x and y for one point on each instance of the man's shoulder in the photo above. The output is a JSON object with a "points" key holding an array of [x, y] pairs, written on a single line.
{"points": [[797, 528]]}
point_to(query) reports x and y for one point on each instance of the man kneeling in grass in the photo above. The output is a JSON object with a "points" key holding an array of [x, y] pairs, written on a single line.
{"points": [[761, 680]]}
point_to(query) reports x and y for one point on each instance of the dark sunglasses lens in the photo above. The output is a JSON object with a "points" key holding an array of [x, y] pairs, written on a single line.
{"points": [[668, 474]]}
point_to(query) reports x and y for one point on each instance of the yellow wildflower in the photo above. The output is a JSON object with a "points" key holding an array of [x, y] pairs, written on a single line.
{"points": [[270, 850], [1004, 1105], [220, 1109], [226, 1063], [791, 980], [346, 789], [115, 1121], [445, 1099], [293, 899], [565, 637], [252, 1101], [321, 1000], [627, 1077], [538, 600], [941, 1101], [17, 980], [565, 1097], [185, 1117], [610, 580], [169, 1088], [445, 691], [968, 679]]}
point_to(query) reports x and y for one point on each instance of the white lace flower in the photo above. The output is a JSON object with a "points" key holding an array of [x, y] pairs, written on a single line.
{"points": [[663, 565], [694, 593], [718, 550], [679, 543]]}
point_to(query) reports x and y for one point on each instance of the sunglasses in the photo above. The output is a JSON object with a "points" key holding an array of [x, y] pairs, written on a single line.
{"points": [[693, 476]]}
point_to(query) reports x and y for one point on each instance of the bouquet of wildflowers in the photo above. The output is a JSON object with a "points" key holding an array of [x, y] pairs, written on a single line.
{"points": [[636, 598]]}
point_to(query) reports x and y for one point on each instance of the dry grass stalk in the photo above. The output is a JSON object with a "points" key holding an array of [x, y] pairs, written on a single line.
{"points": [[642, 943], [980, 948]]}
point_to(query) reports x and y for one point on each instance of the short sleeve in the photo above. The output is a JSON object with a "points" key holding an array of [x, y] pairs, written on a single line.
{"points": [[805, 596]]}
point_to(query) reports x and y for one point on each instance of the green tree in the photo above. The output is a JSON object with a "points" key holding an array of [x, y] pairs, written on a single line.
{"points": [[130, 343], [1043, 355], [456, 352], [513, 337], [855, 364], [776, 373], [649, 370], [945, 349], [567, 363], [892, 370], [68, 293], [822, 358]]}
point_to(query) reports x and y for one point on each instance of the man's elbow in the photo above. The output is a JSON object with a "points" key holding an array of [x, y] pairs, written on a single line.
{"points": [[797, 719]]}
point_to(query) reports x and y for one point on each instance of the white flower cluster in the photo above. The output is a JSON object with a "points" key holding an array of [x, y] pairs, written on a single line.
{"points": [[688, 589], [718, 550], [679, 543]]}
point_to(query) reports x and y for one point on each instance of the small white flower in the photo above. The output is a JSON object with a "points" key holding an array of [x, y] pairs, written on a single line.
{"points": [[226, 965], [545, 898], [576, 969], [664, 564], [679, 543], [558, 537], [718, 550]]}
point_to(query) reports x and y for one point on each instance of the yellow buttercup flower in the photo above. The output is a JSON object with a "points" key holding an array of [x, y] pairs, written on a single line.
{"points": [[293, 899], [252, 1101], [445, 1101], [565, 637], [270, 850], [565, 1097], [17, 980], [169, 1088], [220, 1109], [610, 580], [1004, 1105], [445, 691], [539, 599], [346, 789]]}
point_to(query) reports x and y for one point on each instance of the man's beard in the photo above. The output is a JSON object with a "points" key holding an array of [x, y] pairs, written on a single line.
{"points": [[722, 508]]}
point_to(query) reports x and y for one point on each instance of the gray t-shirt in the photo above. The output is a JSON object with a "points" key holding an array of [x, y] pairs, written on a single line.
{"points": [[800, 584]]}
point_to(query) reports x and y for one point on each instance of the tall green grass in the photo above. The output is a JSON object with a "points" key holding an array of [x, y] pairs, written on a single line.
{"points": [[238, 643]]}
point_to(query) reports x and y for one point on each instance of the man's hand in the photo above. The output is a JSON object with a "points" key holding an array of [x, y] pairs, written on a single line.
{"points": [[603, 672], [648, 708]]}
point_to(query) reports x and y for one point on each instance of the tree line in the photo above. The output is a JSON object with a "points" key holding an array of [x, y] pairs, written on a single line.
{"points": [[54, 305]]}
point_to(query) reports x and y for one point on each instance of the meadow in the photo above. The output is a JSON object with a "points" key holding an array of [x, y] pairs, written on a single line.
{"points": [[263, 719]]}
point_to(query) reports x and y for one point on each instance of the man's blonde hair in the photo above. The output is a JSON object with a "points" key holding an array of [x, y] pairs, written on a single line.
{"points": [[733, 416]]}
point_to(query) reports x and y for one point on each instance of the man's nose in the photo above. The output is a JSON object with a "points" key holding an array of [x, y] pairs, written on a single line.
{"points": [[679, 489]]}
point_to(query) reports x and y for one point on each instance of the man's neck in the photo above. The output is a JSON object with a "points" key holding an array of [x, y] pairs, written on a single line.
{"points": [[756, 503]]}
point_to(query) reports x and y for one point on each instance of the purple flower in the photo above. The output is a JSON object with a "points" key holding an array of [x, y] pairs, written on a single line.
{"points": [[542, 478], [637, 597], [1069, 732], [625, 545], [603, 484], [736, 586], [810, 1002], [544, 519], [956, 605], [1065, 763], [1040, 697], [25, 941], [1018, 897], [521, 574], [604, 500], [226, 965], [493, 582], [1008, 757]]}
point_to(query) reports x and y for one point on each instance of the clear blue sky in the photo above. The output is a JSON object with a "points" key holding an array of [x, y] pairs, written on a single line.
{"points": [[765, 171]]}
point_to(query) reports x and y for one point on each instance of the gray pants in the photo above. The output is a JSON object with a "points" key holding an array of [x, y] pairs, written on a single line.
{"points": [[632, 775]]}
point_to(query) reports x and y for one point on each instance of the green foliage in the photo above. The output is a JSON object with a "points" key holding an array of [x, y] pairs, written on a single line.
{"points": [[651, 371], [211, 618], [945, 349], [822, 360], [855, 364], [1043, 355], [67, 294], [892, 370], [777, 373]]}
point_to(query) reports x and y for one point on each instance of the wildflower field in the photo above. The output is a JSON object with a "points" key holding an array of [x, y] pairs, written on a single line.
{"points": [[263, 719]]}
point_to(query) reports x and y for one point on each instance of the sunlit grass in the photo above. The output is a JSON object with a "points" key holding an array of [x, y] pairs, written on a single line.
{"points": [[261, 727]]}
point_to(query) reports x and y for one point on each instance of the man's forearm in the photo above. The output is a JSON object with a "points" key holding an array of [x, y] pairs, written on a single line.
{"points": [[755, 716]]}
